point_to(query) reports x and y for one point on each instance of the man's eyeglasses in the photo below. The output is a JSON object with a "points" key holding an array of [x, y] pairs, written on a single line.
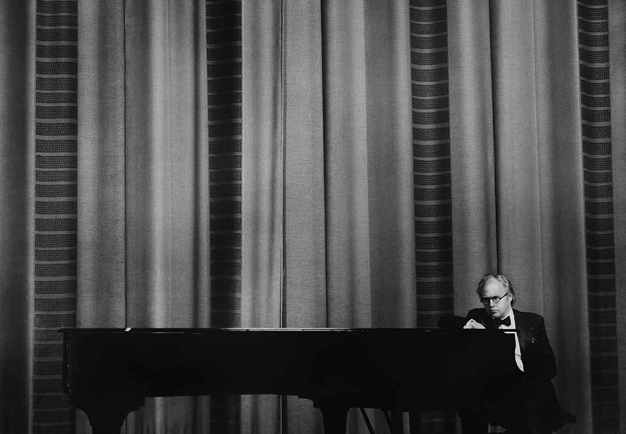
{"points": [[495, 300]]}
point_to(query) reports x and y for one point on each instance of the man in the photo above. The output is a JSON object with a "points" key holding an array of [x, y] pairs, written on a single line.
{"points": [[526, 402]]}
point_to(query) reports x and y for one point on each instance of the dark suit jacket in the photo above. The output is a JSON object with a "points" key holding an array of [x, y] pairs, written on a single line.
{"points": [[539, 364], [537, 355]]}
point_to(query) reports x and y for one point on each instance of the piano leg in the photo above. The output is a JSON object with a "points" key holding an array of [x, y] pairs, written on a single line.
{"points": [[397, 424], [334, 416], [105, 422], [106, 417]]}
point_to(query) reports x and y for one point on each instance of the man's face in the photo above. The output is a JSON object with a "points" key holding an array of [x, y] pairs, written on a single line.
{"points": [[496, 299]]}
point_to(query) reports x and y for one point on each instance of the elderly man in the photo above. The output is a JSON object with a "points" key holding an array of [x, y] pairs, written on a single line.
{"points": [[526, 403]]}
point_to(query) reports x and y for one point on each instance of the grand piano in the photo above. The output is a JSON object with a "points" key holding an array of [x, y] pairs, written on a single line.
{"points": [[109, 372]]}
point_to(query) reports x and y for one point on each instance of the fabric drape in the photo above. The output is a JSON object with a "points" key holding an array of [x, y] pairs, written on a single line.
{"points": [[313, 164], [517, 159], [471, 123], [517, 169], [617, 45], [327, 187], [303, 155], [149, 102], [143, 178], [17, 151], [262, 186]]}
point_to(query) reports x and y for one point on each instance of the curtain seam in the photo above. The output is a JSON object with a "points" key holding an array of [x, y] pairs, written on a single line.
{"points": [[283, 419], [171, 169], [125, 153], [283, 114], [324, 69], [494, 133], [537, 160], [31, 227]]}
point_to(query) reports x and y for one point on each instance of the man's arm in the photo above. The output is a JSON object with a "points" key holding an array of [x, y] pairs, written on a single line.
{"points": [[473, 324], [472, 320]]}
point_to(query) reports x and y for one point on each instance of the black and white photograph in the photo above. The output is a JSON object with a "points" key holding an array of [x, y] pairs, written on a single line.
{"points": [[312, 216]]}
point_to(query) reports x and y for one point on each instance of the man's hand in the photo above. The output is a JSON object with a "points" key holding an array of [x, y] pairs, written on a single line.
{"points": [[472, 324]]}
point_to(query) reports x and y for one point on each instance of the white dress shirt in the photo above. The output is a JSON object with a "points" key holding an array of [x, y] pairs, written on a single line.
{"points": [[518, 350]]}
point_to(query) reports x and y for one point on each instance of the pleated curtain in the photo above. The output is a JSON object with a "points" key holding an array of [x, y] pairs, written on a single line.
{"points": [[143, 168], [298, 163], [327, 229], [617, 77], [510, 120], [523, 142], [17, 154]]}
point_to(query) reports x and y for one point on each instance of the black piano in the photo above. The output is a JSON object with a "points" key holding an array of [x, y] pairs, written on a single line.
{"points": [[109, 372]]}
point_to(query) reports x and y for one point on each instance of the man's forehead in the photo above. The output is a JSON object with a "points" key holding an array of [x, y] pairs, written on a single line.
{"points": [[493, 284]]}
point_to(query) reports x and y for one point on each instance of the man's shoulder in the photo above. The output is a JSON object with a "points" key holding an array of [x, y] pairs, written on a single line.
{"points": [[529, 317]]}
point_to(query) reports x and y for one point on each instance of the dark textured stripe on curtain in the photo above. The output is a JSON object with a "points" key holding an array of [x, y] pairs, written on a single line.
{"points": [[431, 152], [224, 71], [432, 189], [55, 209], [593, 28], [224, 89]]}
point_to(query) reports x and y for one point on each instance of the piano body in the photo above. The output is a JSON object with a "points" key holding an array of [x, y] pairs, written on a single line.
{"points": [[109, 372]]}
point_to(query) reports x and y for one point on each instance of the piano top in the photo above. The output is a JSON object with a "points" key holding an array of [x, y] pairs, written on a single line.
{"points": [[157, 330]]}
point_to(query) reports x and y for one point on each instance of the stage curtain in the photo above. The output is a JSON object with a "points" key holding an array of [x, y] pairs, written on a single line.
{"points": [[17, 192], [617, 56], [143, 190], [327, 187], [517, 172], [536, 97], [511, 171], [297, 163]]}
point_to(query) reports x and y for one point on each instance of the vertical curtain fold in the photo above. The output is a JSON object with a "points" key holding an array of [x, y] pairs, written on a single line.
{"points": [[304, 302], [305, 241], [472, 164], [390, 166], [262, 189], [516, 154], [617, 55], [17, 155], [562, 289], [262, 164], [369, 162], [101, 229], [165, 130], [346, 175], [144, 177], [101, 236], [160, 134], [339, 251]]}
